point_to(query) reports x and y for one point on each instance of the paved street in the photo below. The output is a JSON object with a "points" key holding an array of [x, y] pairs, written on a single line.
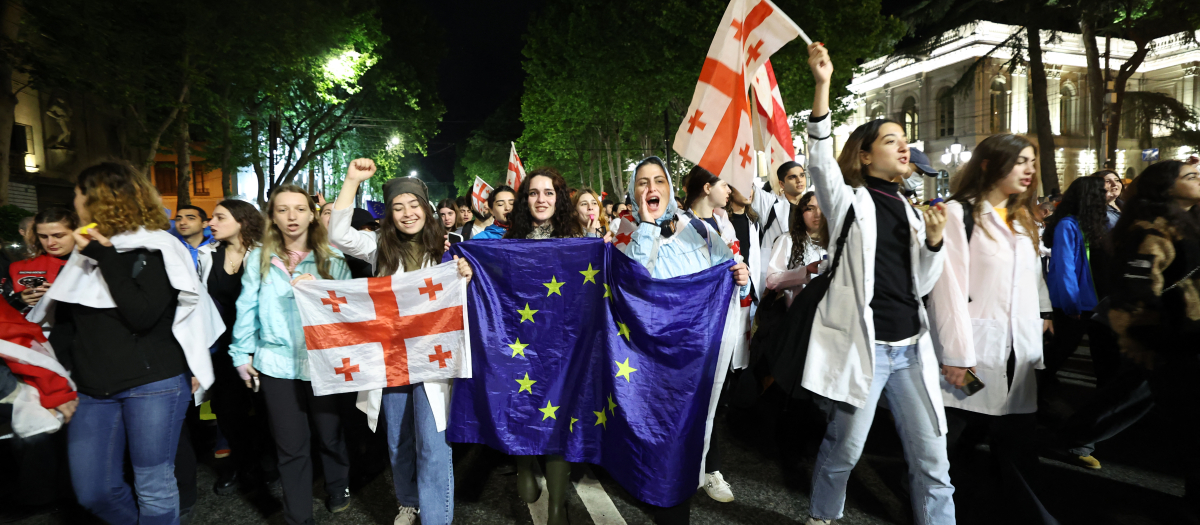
{"points": [[767, 457]]}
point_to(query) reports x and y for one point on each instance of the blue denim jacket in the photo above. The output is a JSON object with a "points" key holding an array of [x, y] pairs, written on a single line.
{"points": [[268, 328]]}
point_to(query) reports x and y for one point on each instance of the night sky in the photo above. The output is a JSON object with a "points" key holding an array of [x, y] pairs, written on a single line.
{"points": [[481, 69]]}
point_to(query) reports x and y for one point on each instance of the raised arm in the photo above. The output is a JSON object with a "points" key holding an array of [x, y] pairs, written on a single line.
{"points": [[352, 242], [834, 196]]}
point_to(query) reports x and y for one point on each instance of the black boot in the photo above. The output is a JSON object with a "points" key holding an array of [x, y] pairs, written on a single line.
{"points": [[558, 483], [527, 485], [227, 482]]}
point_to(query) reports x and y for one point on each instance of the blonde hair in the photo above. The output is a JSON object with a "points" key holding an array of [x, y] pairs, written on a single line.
{"points": [[120, 199], [318, 237], [599, 203]]}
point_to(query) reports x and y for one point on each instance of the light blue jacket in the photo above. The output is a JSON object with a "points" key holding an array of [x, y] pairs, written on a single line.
{"points": [[491, 232], [685, 252], [268, 328]]}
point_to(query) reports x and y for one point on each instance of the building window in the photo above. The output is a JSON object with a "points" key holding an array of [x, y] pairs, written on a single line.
{"points": [[998, 119], [877, 112], [1068, 109], [945, 113], [943, 184], [909, 118], [199, 189], [165, 178]]}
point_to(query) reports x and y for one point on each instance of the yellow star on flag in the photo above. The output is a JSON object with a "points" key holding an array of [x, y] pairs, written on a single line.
{"points": [[548, 412], [607, 291], [601, 419], [623, 329], [527, 314], [611, 405], [527, 384], [625, 370], [553, 286], [589, 275], [518, 348], [573, 420]]}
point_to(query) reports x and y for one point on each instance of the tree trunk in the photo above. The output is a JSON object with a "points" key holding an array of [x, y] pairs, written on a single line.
{"points": [[1127, 71], [183, 158], [620, 185], [10, 19], [166, 123], [1096, 86], [256, 161], [228, 177], [1041, 111]]}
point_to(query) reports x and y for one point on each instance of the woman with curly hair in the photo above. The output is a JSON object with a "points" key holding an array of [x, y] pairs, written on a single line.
{"points": [[537, 213], [1074, 235], [131, 320], [268, 346], [796, 256]]}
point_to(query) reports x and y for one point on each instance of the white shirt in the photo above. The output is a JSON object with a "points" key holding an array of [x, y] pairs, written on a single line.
{"points": [[792, 281]]}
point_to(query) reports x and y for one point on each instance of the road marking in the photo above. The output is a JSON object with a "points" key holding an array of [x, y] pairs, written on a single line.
{"points": [[598, 504]]}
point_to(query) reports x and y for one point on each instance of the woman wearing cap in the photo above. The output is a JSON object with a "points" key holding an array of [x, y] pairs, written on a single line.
{"points": [[669, 244], [409, 239], [870, 335]]}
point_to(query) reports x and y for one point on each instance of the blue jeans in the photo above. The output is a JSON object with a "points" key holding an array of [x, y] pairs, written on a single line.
{"points": [[146, 419], [898, 373], [422, 469]]}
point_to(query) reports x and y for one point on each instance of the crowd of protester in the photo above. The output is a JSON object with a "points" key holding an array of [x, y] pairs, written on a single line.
{"points": [[956, 315]]}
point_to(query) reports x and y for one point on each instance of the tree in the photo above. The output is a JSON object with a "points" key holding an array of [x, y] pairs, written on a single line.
{"points": [[485, 153], [10, 19]]}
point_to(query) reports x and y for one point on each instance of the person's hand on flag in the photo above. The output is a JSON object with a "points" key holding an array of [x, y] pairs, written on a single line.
{"points": [[464, 268], [360, 170], [741, 274], [304, 277], [82, 240], [818, 61], [67, 410]]}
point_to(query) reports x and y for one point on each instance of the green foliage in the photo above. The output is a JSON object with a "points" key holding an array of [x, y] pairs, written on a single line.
{"points": [[485, 155]]}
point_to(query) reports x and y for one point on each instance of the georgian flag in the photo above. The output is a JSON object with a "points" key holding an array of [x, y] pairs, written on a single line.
{"points": [[364, 334], [479, 195], [772, 134], [516, 170], [716, 132]]}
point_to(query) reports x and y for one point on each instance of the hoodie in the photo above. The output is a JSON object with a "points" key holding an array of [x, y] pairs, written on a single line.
{"points": [[683, 252], [195, 250]]}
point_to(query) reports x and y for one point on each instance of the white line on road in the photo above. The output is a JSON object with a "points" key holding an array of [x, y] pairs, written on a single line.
{"points": [[598, 504]]}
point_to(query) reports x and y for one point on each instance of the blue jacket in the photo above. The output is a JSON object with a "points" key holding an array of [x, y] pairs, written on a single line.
{"points": [[685, 252], [268, 328], [1069, 277], [492, 232], [195, 250]]}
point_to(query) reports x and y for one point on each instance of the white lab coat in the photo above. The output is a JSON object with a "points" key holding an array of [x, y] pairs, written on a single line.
{"points": [[841, 350], [984, 307], [363, 246], [763, 202], [779, 277]]}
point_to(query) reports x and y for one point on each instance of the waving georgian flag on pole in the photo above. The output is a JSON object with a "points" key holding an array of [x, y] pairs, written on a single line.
{"points": [[716, 132], [364, 334], [516, 170], [772, 134], [479, 194]]}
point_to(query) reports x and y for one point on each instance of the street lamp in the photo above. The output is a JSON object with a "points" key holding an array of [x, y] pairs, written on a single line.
{"points": [[412, 173], [955, 155]]}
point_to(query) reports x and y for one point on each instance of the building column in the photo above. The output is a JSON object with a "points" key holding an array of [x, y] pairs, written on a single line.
{"points": [[1018, 117], [1053, 81], [1188, 95]]}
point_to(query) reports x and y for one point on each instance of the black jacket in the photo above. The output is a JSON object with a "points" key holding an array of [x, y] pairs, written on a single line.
{"points": [[109, 350]]}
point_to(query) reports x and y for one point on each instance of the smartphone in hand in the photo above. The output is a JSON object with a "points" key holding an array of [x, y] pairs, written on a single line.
{"points": [[454, 238]]}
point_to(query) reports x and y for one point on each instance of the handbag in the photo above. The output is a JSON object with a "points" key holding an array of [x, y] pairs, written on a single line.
{"points": [[786, 359]]}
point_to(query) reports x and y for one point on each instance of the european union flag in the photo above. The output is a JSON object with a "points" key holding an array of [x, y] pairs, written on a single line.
{"points": [[578, 351]]}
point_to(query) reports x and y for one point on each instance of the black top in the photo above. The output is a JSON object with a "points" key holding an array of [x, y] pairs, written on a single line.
{"points": [[109, 350], [894, 305], [741, 228], [224, 290]]}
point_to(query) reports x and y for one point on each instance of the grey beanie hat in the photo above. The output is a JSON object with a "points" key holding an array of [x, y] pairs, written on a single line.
{"points": [[404, 185]]}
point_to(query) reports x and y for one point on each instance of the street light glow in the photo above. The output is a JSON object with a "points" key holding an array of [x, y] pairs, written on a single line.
{"points": [[395, 141], [412, 173]]}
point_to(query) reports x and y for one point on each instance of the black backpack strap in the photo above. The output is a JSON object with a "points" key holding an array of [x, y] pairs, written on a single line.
{"points": [[841, 241], [770, 220], [968, 218]]}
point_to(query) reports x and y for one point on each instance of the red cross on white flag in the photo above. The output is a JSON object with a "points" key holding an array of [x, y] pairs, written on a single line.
{"points": [[715, 132], [772, 134], [364, 334], [479, 194], [516, 170]]}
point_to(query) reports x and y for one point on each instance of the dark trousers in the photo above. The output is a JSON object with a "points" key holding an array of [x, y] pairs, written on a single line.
{"points": [[1069, 332], [291, 406], [1013, 457], [185, 462], [680, 514], [40, 474], [249, 437], [1117, 406]]}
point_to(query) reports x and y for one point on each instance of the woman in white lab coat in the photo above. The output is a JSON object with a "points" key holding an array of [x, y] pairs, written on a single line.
{"points": [[870, 330], [985, 312]]}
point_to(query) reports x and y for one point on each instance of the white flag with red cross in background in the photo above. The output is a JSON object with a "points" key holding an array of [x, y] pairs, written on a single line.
{"points": [[364, 334], [772, 134], [479, 195], [716, 133], [516, 170]]}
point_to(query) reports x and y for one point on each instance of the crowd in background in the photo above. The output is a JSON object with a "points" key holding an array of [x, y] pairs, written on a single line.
{"points": [[956, 314]]}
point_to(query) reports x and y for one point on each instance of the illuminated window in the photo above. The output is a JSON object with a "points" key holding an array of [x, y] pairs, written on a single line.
{"points": [[1068, 109], [198, 186], [909, 116], [998, 117], [165, 178], [945, 113]]}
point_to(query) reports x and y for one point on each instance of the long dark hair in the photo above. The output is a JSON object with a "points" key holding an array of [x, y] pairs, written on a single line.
{"points": [[1084, 200], [564, 220], [693, 185], [1150, 198], [431, 238], [49, 215], [250, 219], [799, 231], [991, 163]]}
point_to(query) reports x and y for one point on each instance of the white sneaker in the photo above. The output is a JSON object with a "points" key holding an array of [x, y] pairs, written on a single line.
{"points": [[717, 488], [407, 516], [815, 521]]}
